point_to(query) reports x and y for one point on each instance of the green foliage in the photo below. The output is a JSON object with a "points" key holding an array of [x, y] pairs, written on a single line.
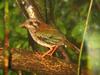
{"points": [[70, 17], [77, 31]]}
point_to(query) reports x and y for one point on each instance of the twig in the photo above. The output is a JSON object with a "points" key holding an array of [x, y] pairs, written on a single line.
{"points": [[6, 43], [85, 30]]}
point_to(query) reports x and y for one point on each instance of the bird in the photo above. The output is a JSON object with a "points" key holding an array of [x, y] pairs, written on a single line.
{"points": [[47, 36]]}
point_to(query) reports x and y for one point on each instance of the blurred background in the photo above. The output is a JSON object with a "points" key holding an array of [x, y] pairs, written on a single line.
{"points": [[69, 16]]}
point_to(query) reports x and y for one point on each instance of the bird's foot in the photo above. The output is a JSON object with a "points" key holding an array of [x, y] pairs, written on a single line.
{"points": [[38, 55]]}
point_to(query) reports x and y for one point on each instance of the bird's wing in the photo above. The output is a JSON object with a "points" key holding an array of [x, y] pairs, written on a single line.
{"points": [[50, 36]]}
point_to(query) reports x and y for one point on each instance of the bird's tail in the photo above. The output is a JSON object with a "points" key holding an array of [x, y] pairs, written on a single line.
{"points": [[72, 46]]}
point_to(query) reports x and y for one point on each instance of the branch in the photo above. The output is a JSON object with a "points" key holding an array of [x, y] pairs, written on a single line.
{"points": [[27, 61]]}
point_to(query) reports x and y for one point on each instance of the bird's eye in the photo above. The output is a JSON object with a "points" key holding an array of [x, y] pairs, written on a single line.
{"points": [[34, 23], [30, 23]]}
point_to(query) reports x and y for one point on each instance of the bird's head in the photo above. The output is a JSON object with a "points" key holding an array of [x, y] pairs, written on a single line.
{"points": [[31, 24]]}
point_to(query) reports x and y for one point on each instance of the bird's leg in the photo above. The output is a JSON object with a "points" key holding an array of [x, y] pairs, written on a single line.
{"points": [[54, 49], [51, 51]]}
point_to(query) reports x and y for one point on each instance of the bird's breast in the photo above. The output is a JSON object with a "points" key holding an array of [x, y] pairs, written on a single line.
{"points": [[39, 40]]}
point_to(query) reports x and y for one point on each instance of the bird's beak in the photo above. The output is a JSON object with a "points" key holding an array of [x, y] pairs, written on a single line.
{"points": [[22, 26]]}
